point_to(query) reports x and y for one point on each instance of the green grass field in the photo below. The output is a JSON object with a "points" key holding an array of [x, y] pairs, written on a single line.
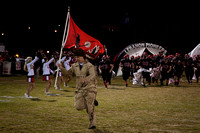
{"points": [[121, 109]]}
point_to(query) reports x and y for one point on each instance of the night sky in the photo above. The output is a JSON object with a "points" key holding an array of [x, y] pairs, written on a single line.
{"points": [[175, 26]]}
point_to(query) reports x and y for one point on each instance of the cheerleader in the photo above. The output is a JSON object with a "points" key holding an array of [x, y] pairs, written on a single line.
{"points": [[67, 67], [46, 74], [60, 76], [29, 67]]}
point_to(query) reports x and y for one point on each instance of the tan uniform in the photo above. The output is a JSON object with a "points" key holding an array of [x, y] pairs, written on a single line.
{"points": [[86, 92]]}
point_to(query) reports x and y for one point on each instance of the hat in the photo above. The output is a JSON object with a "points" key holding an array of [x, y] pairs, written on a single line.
{"points": [[79, 52]]}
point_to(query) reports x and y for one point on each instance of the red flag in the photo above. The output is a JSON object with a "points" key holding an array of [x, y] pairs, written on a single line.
{"points": [[79, 39]]}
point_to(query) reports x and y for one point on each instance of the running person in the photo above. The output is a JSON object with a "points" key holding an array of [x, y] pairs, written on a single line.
{"points": [[145, 63], [86, 85], [105, 68], [126, 68], [189, 68], [178, 71], [165, 68]]}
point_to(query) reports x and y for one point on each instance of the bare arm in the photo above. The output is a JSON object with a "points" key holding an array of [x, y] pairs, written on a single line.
{"points": [[112, 66], [64, 71]]}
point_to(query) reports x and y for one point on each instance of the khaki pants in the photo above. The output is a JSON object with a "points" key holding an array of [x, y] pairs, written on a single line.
{"points": [[85, 100]]}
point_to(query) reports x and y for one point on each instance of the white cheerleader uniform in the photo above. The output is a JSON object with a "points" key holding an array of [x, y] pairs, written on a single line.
{"points": [[30, 67], [66, 64], [47, 70], [62, 60]]}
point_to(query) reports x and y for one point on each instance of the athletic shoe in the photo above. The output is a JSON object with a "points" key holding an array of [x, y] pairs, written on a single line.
{"points": [[65, 85], [47, 93], [93, 127], [96, 103], [26, 95], [60, 89]]}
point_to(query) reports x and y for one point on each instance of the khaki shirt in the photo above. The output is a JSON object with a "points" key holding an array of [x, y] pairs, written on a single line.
{"points": [[87, 72]]}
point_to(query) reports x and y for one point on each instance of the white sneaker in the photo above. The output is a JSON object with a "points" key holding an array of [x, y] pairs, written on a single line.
{"points": [[26, 95], [66, 85], [56, 88], [33, 97], [60, 89], [47, 93]]}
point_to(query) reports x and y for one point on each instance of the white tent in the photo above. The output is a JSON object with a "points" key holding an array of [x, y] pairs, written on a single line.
{"points": [[138, 49], [195, 51]]}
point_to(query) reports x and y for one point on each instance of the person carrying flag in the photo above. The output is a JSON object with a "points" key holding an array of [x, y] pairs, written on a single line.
{"points": [[86, 85]]}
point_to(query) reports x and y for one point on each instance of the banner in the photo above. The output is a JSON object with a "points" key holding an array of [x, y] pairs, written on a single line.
{"points": [[195, 51], [79, 39], [18, 65], [138, 49], [2, 48], [6, 68]]}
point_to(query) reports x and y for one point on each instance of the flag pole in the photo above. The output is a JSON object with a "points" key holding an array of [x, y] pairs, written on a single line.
{"points": [[62, 46]]}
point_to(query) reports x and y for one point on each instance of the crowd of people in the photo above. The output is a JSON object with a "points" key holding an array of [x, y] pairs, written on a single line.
{"points": [[5, 56], [145, 69], [46, 65], [86, 82], [140, 70], [160, 67]]}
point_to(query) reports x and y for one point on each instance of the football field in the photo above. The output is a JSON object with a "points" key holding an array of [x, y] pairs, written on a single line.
{"points": [[121, 109]]}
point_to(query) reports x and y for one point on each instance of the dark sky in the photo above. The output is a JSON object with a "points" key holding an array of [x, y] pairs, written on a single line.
{"points": [[175, 26]]}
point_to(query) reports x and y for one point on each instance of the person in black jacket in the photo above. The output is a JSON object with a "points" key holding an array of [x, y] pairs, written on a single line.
{"points": [[189, 68], [126, 68]]}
